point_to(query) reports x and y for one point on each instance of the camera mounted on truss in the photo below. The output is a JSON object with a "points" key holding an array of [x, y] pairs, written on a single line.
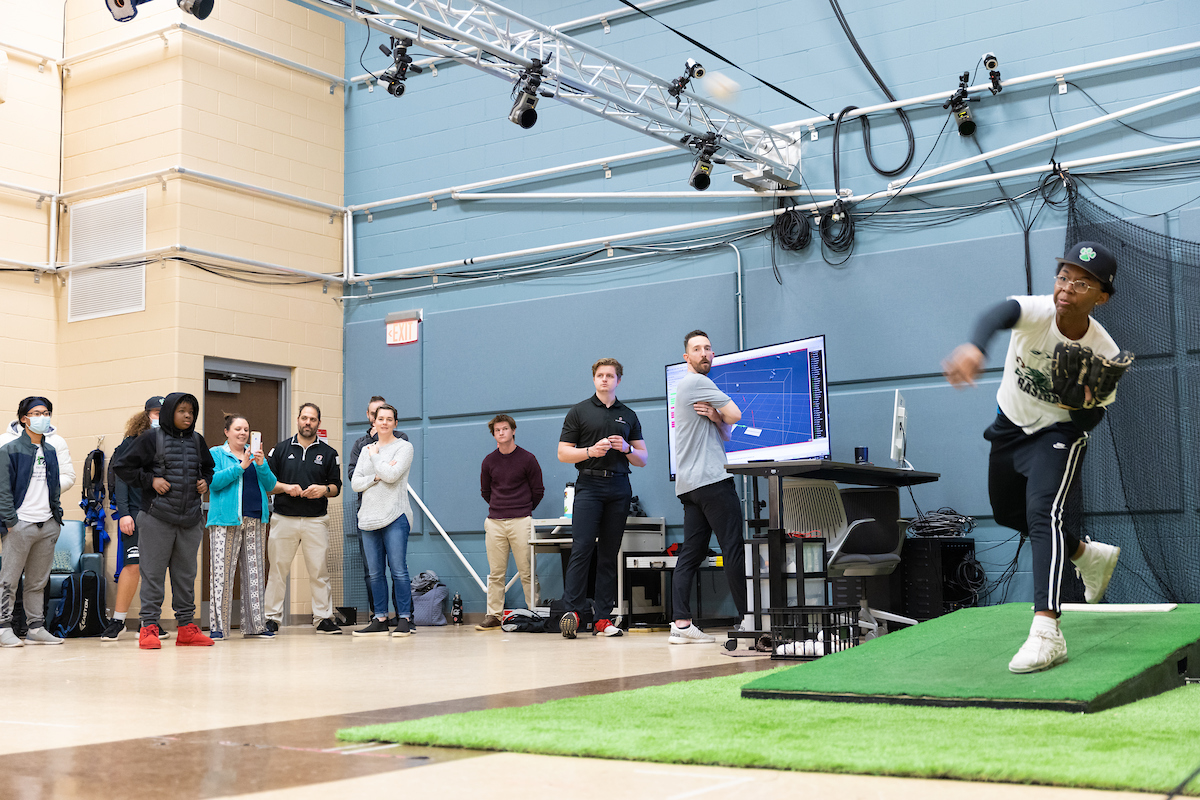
{"points": [[527, 88], [396, 75], [691, 69], [706, 147]]}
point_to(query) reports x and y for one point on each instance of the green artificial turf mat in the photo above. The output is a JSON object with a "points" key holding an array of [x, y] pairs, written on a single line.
{"points": [[1148, 746], [966, 655]]}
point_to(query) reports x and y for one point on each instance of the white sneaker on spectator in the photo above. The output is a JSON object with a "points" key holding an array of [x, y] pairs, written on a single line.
{"points": [[1096, 567], [9, 639], [41, 636], [689, 635]]}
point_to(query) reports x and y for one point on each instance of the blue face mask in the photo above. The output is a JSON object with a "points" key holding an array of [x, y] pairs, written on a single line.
{"points": [[153, 423], [39, 425]]}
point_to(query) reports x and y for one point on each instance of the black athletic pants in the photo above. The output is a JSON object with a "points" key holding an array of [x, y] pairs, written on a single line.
{"points": [[1034, 485], [708, 509], [597, 526]]}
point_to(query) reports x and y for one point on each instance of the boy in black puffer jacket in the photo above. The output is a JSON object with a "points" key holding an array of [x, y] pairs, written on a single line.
{"points": [[172, 466]]}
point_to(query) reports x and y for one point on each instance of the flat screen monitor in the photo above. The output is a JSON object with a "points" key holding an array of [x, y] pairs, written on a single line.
{"points": [[782, 392]]}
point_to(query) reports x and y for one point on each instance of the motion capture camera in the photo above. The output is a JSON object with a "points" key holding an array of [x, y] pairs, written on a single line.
{"points": [[527, 89], [706, 147], [396, 75], [125, 10], [691, 69], [990, 61], [959, 108]]}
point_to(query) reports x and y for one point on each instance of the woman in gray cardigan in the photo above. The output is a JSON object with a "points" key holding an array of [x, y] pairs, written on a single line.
{"points": [[383, 521]]}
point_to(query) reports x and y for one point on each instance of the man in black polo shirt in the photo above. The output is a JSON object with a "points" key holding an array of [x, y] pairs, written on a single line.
{"points": [[307, 473], [602, 437]]}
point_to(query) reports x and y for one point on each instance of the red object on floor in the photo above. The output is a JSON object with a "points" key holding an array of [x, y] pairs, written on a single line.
{"points": [[190, 636], [148, 638]]}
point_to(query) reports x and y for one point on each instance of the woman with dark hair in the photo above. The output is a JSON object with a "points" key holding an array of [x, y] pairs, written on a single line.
{"points": [[381, 475], [128, 500], [237, 523]]}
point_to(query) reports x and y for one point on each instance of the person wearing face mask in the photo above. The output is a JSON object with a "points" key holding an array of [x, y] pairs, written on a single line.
{"points": [[173, 467], [66, 469], [128, 500], [30, 521], [237, 524]]}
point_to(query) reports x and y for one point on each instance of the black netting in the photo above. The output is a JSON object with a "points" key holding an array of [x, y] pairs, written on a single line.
{"points": [[1141, 486]]}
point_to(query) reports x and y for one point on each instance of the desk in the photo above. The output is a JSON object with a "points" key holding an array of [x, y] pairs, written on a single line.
{"points": [[554, 535], [655, 563], [819, 469]]}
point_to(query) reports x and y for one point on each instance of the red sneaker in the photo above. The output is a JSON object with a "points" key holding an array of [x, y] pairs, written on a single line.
{"points": [[148, 638], [190, 636]]}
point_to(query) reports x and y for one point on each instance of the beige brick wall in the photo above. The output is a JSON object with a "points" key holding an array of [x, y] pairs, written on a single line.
{"points": [[147, 107]]}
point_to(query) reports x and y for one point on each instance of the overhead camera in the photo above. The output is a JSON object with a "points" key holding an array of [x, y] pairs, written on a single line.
{"points": [[692, 69], [396, 75], [706, 147], [990, 61], [992, 64], [527, 89], [125, 10], [959, 108]]}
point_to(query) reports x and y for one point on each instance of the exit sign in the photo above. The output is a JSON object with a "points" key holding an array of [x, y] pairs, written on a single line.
{"points": [[402, 326], [402, 331]]}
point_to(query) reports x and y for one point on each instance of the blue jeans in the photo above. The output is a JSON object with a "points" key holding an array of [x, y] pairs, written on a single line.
{"points": [[387, 549]]}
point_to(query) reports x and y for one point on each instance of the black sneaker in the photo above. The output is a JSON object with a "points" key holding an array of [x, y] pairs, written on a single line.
{"points": [[375, 627], [569, 624], [114, 629], [402, 627], [272, 626], [328, 626]]}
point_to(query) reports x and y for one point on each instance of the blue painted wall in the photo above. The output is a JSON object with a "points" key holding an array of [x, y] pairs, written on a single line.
{"points": [[523, 345]]}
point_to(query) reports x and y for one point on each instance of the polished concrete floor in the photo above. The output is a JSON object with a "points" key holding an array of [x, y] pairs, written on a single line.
{"points": [[258, 718]]}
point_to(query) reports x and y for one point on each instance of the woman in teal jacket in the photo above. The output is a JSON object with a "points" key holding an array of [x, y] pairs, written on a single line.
{"points": [[237, 523]]}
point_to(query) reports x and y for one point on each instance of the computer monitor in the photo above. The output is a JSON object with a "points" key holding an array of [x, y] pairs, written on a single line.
{"points": [[782, 392], [899, 432]]}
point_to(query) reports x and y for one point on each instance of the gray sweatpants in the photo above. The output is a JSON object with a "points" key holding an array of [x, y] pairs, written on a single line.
{"points": [[165, 546], [28, 549]]}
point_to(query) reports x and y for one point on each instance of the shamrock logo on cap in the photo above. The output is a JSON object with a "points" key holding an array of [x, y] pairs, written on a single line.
{"points": [[1087, 254]]}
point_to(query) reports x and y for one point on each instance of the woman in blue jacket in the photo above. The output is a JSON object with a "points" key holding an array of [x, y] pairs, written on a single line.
{"points": [[237, 523]]}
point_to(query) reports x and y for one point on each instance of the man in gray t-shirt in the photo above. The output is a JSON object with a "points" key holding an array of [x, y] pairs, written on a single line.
{"points": [[703, 416]]}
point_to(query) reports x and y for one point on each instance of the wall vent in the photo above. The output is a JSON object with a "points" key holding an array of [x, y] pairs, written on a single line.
{"points": [[108, 227]]}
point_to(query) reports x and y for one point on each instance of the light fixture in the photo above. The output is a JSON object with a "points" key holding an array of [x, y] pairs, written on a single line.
{"points": [[706, 148], [524, 108], [691, 69], [396, 75], [125, 10]]}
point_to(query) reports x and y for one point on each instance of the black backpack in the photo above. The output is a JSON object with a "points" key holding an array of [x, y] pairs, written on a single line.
{"points": [[81, 611]]}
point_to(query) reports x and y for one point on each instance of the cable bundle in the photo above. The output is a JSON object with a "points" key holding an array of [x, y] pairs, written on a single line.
{"points": [[943, 522]]}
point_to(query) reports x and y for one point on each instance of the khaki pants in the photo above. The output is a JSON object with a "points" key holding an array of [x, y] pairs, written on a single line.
{"points": [[310, 535], [500, 537]]}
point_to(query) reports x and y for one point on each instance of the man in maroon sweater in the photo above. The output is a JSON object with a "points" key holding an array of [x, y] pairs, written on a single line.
{"points": [[511, 483]]}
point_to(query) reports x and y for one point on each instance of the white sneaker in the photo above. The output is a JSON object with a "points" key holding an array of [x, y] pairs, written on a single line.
{"points": [[41, 636], [9, 639], [1042, 650], [1095, 567], [689, 635]]}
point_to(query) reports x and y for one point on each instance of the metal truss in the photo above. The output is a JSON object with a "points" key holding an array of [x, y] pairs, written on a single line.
{"points": [[496, 40]]}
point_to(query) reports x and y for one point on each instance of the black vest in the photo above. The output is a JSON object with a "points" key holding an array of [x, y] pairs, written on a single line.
{"points": [[177, 460]]}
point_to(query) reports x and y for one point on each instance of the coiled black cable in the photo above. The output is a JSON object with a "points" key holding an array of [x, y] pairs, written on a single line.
{"points": [[837, 228], [793, 230], [943, 522]]}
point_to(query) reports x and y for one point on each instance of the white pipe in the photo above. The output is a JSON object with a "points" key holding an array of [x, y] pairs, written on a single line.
{"points": [[67, 63], [692, 195], [929, 173], [170, 251], [8, 262], [431, 268], [599, 240], [53, 245], [541, 173], [940, 97], [446, 536], [16, 187], [582, 22], [45, 59]]}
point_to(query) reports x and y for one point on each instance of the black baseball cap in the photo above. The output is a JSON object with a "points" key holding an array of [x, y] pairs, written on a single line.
{"points": [[153, 403], [1096, 259]]}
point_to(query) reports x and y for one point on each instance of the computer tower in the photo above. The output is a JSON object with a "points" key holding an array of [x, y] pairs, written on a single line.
{"points": [[932, 577]]}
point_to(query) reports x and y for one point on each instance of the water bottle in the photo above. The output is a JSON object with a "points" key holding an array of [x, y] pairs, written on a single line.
{"points": [[568, 499], [456, 609]]}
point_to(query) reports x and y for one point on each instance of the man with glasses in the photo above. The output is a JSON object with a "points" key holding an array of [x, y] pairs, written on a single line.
{"points": [[1038, 444]]}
